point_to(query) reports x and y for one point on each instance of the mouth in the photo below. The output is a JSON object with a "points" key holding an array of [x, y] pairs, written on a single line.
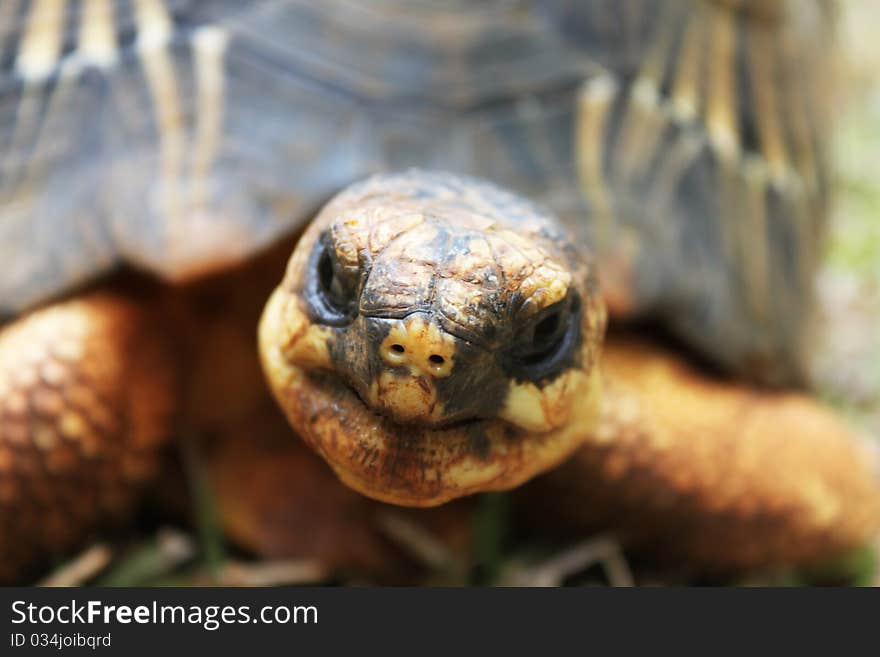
{"points": [[413, 464], [418, 424], [409, 464]]}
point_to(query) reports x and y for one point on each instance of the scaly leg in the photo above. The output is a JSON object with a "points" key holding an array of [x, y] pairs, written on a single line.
{"points": [[86, 390], [716, 474]]}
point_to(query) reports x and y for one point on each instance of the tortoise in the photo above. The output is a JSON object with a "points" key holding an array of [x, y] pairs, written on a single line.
{"points": [[434, 334]]}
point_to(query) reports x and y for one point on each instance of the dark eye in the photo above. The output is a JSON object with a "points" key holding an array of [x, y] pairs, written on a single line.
{"points": [[542, 347], [546, 334], [330, 288]]}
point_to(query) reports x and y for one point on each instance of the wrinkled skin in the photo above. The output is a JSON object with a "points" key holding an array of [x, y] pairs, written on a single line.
{"points": [[457, 313]]}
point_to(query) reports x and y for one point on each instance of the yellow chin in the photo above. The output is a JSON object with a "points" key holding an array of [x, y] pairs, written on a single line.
{"points": [[414, 465], [544, 409]]}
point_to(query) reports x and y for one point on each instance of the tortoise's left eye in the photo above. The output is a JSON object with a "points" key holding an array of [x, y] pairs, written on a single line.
{"points": [[331, 289], [543, 346]]}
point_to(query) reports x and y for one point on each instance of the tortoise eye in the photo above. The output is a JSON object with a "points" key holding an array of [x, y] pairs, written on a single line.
{"points": [[331, 288], [330, 281], [543, 346], [546, 333]]}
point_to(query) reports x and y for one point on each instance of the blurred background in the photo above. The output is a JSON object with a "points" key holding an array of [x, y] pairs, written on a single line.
{"points": [[848, 366]]}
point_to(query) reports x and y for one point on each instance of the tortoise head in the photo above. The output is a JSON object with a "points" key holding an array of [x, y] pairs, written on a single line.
{"points": [[435, 336]]}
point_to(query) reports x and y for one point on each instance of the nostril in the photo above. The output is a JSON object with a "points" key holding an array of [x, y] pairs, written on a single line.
{"points": [[394, 354], [439, 366]]}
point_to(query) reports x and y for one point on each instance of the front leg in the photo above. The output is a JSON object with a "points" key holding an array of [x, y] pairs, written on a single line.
{"points": [[723, 476], [86, 391]]}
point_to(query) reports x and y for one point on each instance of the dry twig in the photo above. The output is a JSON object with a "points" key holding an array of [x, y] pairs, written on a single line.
{"points": [[603, 550], [80, 569]]}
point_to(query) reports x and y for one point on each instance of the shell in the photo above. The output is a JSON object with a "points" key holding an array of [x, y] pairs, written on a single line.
{"points": [[684, 140]]}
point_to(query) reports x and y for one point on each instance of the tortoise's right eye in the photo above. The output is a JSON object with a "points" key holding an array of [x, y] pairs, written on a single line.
{"points": [[330, 282], [542, 347], [331, 289]]}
